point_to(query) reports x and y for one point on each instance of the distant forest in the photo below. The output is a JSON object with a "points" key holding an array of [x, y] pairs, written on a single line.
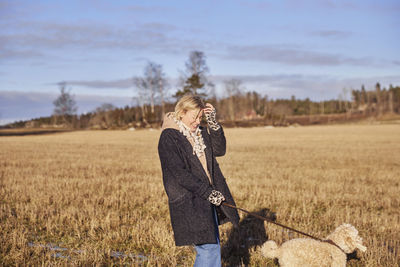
{"points": [[240, 109], [237, 108]]}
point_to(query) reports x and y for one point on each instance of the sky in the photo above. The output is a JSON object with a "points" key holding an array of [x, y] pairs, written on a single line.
{"points": [[315, 49]]}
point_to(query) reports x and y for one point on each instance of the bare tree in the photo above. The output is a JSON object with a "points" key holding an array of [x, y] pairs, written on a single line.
{"points": [[378, 98], [346, 102], [151, 85], [162, 84], [196, 63], [232, 89], [322, 107], [142, 97], [64, 105], [265, 106], [340, 98], [364, 100], [391, 104]]}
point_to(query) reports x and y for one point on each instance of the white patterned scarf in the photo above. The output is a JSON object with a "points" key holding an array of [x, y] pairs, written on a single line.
{"points": [[196, 137]]}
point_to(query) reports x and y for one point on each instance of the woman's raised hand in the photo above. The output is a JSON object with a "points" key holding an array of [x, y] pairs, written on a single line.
{"points": [[211, 116], [209, 108]]}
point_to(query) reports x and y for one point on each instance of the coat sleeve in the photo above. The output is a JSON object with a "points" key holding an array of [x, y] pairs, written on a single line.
{"points": [[218, 142], [171, 159]]}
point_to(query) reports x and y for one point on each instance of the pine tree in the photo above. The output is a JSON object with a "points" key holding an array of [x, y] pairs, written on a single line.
{"points": [[194, 80]]}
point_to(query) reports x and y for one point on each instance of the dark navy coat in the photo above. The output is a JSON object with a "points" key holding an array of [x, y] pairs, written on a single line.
{"points": [[188, 187]]}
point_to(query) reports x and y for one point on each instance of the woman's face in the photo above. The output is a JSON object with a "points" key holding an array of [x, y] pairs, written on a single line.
{"points": [[192, 118]]}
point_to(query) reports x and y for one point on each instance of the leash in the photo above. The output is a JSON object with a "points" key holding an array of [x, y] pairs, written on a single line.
{"points": [[281, 225], [270, 221]]}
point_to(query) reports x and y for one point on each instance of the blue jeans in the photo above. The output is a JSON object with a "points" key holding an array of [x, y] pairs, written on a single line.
{"points": [[209, 255]]}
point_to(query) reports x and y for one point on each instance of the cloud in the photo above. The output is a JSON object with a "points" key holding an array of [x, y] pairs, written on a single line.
{"points": [[316, 87], [56, 35], [43, 38], [19, 54], [329, 4], [277, 85], [8, 9], [147, 9], [281, 85], [98, 84], [325, 4], [51, 39], [254, 78], [292, 56], [154, 26], [126, 83], [87, 103], [256, 5], [332, 34], [385, 8], [23, 105]]}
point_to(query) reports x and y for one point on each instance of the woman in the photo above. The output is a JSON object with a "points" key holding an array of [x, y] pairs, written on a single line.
{"points": [[193, 180]]}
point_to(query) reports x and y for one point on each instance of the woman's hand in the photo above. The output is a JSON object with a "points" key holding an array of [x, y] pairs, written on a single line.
{"points": [[216, 198], [209, 108], [211, 116]]}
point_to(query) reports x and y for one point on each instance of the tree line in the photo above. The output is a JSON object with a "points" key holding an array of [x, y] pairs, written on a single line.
{"points": [[237, 105]]}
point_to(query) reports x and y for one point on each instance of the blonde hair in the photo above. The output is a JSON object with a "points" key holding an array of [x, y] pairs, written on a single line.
{"points": [[186, 103]]}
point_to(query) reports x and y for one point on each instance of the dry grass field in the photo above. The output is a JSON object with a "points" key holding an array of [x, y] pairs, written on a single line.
{"points": [[96, 197]]}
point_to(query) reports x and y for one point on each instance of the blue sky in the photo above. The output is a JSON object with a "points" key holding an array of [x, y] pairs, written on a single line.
{"points": [[279, 48]]}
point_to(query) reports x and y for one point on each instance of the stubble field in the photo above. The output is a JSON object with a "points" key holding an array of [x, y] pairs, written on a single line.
{"points": [[96, 197]]}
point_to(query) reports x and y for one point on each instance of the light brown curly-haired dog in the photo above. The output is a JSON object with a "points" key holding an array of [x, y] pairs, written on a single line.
{"points": [[306, 252]]}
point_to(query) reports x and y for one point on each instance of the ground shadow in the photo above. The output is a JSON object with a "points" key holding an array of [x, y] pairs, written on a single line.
{"points": [[250, 233], [353, 256]]}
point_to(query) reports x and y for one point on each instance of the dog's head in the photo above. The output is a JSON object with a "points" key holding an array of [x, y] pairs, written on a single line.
{"points": [[347, 238]]}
